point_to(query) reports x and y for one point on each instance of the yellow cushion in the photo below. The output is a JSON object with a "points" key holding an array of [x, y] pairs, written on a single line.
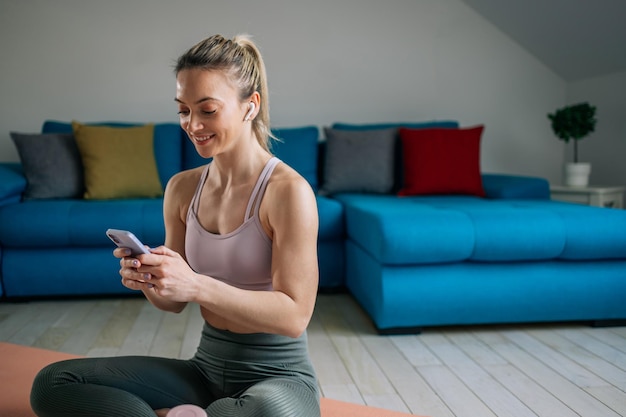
{"points": [[118, 162]]}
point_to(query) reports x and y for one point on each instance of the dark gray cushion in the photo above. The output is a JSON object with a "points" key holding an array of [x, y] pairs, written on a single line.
{"points": [[51, 164], [359, 161]]}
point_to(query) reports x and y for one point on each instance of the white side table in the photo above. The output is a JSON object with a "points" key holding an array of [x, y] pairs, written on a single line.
{"points": [[611, 197]]}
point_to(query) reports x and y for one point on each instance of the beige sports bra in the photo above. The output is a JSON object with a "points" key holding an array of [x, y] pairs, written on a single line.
{"points": [[241, 258]]}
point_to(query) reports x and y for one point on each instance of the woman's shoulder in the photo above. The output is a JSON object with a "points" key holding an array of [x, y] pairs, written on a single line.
{"points": [[289, 201], [286, 176], [184, 181], [286, 182]]}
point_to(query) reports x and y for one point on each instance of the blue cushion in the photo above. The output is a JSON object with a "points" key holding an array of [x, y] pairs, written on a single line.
{"points": [[415, 230], [92, 271], [168, 149], [506, 231], [167, 143], [298, 148], [62, 223], [401, 231], [503, 186], [409, 125], [12, 183], [592, 232]]}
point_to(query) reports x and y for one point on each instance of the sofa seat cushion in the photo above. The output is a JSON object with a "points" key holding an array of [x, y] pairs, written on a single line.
{"points": [[400, 231], [420, 230], [63, 223], [592, 232]]}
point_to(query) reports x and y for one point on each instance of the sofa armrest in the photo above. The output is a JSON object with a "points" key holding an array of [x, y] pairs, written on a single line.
{"points": [[12, 183], [501, 186]]}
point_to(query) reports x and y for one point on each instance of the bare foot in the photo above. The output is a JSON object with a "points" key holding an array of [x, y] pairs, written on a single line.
{"points": [[162, 412]]}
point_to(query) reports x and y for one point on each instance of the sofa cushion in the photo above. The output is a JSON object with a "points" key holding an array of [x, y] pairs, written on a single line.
{"points": [[359, 160], [397, 157], [51, 164], [438, 229], [12, 182], [591, 232], [59, 272], [168, 149], [297, 147], [441, 161], [63, 223], [513, 230], [57, 223], [118, 162], [401, 231], [502, 186], [409, 125]]}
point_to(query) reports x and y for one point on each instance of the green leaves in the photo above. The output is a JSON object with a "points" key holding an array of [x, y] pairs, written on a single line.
{"points": [[573, 122]]}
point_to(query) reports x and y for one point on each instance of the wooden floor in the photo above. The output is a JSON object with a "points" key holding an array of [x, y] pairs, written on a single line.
{"points": [[556, 371]]}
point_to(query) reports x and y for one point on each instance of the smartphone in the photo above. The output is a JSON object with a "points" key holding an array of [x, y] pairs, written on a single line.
{"points": [[125, 239]]}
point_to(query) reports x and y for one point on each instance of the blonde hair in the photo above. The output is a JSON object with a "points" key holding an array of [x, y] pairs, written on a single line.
{"points": [[242, 61]]}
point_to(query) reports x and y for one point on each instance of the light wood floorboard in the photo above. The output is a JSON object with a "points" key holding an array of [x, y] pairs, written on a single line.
{"points": [[563, 370]]}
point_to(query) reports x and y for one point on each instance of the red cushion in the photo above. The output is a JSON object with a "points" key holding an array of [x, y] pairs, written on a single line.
{"points": [[442, 161]]}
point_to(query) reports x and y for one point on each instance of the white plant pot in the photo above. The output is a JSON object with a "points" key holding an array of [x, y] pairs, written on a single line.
{"points": [[577, 174]]}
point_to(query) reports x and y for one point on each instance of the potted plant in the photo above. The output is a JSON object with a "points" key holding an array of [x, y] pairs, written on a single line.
{"points": [[574, 122]]}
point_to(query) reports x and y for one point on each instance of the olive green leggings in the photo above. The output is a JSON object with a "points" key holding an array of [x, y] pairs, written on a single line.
{"points": [[230, 375]]}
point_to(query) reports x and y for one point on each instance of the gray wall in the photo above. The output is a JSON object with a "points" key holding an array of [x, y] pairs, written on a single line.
{"points": [[327, 60]]}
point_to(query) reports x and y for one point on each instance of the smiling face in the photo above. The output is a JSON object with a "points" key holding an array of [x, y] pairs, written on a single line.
{"points": [[210, 111]]}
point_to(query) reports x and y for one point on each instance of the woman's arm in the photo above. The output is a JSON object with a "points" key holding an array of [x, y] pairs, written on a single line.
{"points": [[178, 194]]}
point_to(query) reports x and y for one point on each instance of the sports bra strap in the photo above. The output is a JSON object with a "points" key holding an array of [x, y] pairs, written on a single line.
{"points": [[259, 188], [196, 200]]}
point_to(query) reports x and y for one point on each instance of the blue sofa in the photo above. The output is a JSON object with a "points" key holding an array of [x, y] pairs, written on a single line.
{"points": [[410, 262], [59, 248]]}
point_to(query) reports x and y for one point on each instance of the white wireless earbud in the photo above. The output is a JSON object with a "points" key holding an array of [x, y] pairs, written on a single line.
{"points": [[249, 114]]}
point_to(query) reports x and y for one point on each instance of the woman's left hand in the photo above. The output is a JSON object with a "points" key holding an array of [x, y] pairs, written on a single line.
{"points": [[170, 275]]}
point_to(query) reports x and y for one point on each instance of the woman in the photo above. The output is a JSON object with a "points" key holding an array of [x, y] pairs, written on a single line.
{"points": [[241, 236]]}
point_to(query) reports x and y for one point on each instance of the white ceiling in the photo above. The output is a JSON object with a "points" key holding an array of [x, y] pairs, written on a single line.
{"points": [[577, 39]]}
